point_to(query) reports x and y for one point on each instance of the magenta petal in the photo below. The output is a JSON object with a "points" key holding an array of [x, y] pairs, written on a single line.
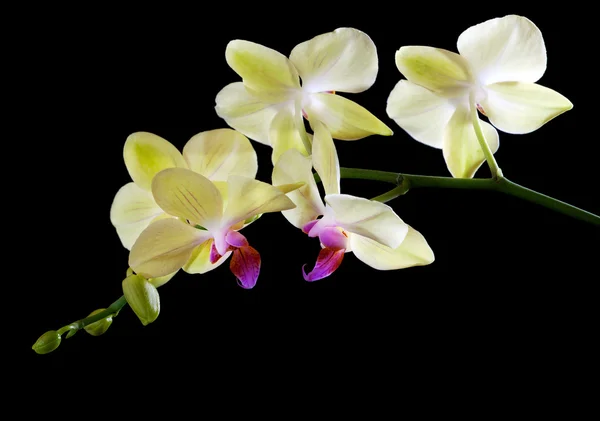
{"points": [[327, 262], [214, 254], [333, 238], [236, 239], [245, 265], [308, 226]]}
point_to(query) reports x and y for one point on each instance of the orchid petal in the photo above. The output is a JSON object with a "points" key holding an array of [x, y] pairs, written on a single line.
{"points": [[519, 108], [286, 188], [325, 158], [147, 154], [346, 120], [164, 247], [188, 195], [504, 50], [245, 265], [284, 134], [248, 197], [421, 113], [266, 73], [161, 280], [218, 153], [200, 261], [333, 238], [291, 167], [441, 71], [245, 112], [131, 212], [368, 218], [461, 148], [327, 263], [344, 60], [414, 251]]}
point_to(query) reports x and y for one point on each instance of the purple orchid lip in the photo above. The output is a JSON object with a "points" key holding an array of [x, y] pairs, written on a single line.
{"points": [[328, 261], [333, 238], [236, 239], [309, 225], [245, 265], [214, 254]]}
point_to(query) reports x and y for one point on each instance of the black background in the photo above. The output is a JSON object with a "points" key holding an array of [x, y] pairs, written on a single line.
{"points": [[510, 297]]}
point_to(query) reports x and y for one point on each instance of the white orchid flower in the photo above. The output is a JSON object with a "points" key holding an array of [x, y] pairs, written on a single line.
{"points": [[370, 229], [215, 154], [269, 104], [201, 216], [500, 60]]}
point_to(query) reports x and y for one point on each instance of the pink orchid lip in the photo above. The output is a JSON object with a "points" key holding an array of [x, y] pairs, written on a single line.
{"points": [[236, 239], [328, 261], [333, 238], [214, 254], [309, 225], [245, 265]]}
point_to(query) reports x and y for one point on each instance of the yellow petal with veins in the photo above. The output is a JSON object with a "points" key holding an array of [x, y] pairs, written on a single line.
{"points": [[245, 112], [266, 73], [147, 154], [248, 197], [284, 134], [345, 120], [413, 251], [441, 71], [295, 167], [325, 158], [518, 108], [344, 60], [461, 148], [199, 261], [216, 154], [131, 212], [164, 247], [188, 195], [368, 218]]}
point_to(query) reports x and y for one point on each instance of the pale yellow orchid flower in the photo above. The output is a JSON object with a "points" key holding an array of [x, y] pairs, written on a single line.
{"points": [[202, 217], [500, 60], [215, 154], [269, 104], [370, 229]]}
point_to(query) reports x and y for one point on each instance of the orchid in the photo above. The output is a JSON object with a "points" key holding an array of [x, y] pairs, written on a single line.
{"points": [[269, 104], [207, 219], [500, 60], [186, 210], [215, 154], [370, 229]]}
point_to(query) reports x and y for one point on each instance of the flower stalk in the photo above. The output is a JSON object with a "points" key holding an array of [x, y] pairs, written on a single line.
{"points": [[500, 184]]}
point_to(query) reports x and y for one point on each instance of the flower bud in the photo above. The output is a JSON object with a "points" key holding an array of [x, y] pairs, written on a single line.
{"points": [[46, 343], [99, 327], [142, 297]]}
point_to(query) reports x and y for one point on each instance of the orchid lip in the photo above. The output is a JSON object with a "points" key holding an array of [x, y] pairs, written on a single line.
{"points": [[328, 261]]}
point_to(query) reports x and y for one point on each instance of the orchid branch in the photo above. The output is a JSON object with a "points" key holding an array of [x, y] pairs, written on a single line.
{"points": [[405, 182]]}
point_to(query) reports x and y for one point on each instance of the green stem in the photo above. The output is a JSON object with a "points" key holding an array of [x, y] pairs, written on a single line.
{"points": [[112, 309], [407, 181], [390, 195], [487, 152]]}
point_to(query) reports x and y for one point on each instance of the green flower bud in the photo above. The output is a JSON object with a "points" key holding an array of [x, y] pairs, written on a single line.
{"points": [[99, 327], [46, 343], [142, 297]]}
